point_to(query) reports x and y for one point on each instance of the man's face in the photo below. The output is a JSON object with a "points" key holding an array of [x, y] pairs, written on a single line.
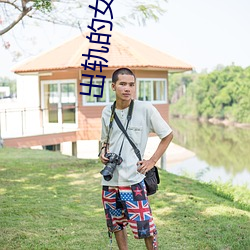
{"points": [[124, 87]]}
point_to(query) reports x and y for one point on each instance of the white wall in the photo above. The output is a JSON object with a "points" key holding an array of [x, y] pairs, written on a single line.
{"points": [[28, 91]]}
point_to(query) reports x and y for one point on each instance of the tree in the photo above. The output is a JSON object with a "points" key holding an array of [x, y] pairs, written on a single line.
{"points": [[222, 94], [73, 12]]}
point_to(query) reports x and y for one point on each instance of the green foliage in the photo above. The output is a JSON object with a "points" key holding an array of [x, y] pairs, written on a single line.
{"points": [[43, 5], [178, 80], [241, 195], [150, 11], [222, 94], [7, 82]]}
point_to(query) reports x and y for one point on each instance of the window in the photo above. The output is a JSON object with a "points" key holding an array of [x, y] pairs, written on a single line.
{"points": [[154, 90], [108, 93], [51, 100], [68, 102], [59, 101]]}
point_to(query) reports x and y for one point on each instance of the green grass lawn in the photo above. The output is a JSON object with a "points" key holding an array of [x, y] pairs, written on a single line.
{"points": [[51, 201]]}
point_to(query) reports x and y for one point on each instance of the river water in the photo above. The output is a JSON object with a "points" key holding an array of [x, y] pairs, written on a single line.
{"points": [[221, 153]]}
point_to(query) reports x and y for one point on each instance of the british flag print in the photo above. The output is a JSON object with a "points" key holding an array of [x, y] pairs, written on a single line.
{"points": [[139, 210], [109, 199]]}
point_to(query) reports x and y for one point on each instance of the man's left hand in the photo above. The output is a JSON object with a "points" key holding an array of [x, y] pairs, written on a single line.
{"points": [[145, 166]]}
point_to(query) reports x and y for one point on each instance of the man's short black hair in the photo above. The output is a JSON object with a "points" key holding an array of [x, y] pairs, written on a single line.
{"points": [[121, 71]]}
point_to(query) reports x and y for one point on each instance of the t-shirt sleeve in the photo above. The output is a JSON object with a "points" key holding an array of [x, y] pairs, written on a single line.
{"points": [[157, 124], [104, 131]]}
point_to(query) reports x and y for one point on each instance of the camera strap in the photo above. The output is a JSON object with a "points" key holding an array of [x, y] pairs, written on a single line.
{"points": [[136, 150], [112, 117], [110, 125], [106, 143]]}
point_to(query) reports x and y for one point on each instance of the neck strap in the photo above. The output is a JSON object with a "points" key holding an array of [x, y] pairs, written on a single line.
{"points": [[129, 116], [130, 111]]}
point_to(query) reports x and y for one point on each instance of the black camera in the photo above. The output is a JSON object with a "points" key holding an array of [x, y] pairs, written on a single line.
{"points": [[109, 169]]}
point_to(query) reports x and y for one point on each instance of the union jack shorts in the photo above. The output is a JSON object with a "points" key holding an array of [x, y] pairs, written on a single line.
{"points": [[128, 205]]}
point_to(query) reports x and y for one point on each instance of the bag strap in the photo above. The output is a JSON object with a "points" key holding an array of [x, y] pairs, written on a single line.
{"points": [[129, 116], [137, 151]]}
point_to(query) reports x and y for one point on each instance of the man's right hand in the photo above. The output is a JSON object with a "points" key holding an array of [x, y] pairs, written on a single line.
{"points": [[103, 159]]}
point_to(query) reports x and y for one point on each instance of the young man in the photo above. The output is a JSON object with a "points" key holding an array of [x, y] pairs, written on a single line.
{"points": [[124, 196]]}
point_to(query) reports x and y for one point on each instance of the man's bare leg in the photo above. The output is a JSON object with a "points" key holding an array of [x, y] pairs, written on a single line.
{"points": [[122, 239], [149, 243]]}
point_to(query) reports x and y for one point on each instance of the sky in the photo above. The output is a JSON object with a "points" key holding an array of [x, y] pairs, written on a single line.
{"points": [[203, 33]]}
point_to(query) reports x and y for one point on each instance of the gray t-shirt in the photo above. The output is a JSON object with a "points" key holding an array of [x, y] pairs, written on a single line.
{"points": [[145, 119]]}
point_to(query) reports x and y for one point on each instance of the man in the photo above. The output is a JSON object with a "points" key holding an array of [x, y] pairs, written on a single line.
{"points": [[124, 196]]}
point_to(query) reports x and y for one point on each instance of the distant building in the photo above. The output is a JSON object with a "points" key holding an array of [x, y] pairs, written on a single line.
{"points": [[52, 110]]}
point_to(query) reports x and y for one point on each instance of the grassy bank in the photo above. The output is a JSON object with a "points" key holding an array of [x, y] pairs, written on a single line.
{"points": [[50, 201]]}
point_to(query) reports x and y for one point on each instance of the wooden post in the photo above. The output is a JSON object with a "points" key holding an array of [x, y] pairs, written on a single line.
{"points": [[1, 141], [74, 148]]}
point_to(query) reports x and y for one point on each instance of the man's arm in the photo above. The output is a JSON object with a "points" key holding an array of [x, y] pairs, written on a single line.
{"points": [[146, 165]]}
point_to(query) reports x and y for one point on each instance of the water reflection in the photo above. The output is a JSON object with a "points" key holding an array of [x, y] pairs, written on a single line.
{"points": [[222, 153]]}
